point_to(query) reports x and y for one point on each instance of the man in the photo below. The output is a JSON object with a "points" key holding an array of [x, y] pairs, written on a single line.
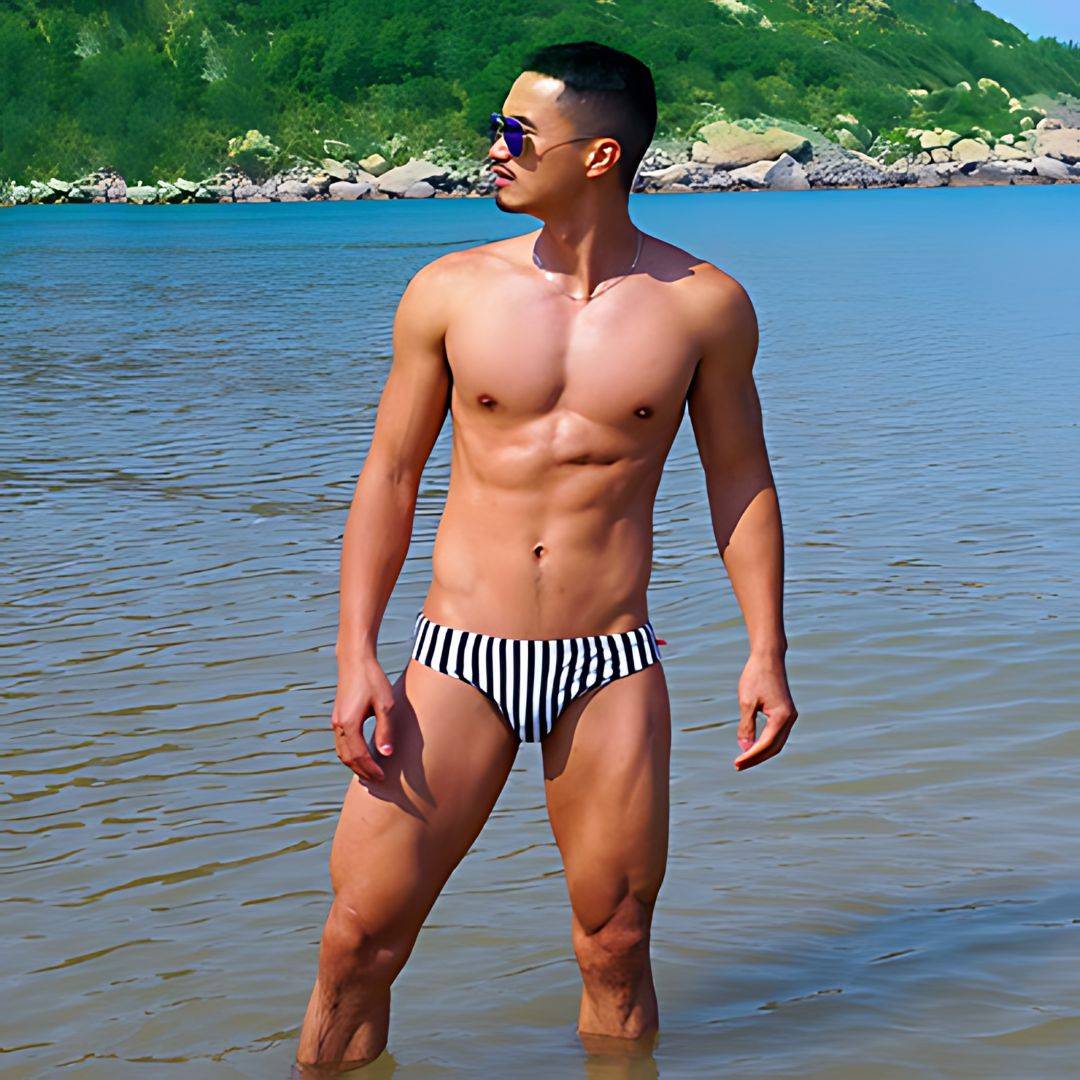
{"points": [[566, 373]]}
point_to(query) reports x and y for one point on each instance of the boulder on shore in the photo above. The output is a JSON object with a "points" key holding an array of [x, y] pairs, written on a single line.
{"points": [[1061, 143], [970, 150], [730, 146], [398, 181], [349, 190], [982, 172]]}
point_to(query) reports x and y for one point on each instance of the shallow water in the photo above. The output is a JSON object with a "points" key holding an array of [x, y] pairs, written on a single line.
{"points": [[187, 396]]}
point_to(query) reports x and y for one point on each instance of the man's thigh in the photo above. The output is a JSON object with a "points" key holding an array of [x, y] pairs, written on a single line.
{"points": [[606, 775], [398, 840]]}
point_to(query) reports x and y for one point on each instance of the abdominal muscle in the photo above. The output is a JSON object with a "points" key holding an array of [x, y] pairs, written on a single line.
{"points": [[534, 548]]}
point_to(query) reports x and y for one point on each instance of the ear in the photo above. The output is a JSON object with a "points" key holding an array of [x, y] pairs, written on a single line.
{"points": [[603, 156]]}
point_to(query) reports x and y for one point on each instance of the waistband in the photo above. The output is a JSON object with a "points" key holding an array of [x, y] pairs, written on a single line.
{"points": [[422, 621]]}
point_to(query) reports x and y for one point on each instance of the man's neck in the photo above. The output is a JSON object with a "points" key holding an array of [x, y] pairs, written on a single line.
{"points": [[583, 251]]}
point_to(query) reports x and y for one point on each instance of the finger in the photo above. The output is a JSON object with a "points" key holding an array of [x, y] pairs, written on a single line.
{"points": [[771, 742], [384, 739], [353, 751], [746, 732]]}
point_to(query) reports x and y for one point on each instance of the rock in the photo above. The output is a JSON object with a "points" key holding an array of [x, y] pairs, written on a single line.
{"points": [[142, 193], [833, 166], [1051, 168], [926, 176], [923, 158], [731, 147], [336, 170], [188, 186], [348, 190], [291, 190], [787, 175], [849, 140], [169, 193], [1049, 123], [375, 164], [1061, 143], [398, 181], [1020, 167], [320, 181], [1008, 139], [752, 175], [1005, 152], [970, 150], [1026, 123], [939, 154], [419, 189], [61, 186], [981, 172], [246, 192], [662, 178]]}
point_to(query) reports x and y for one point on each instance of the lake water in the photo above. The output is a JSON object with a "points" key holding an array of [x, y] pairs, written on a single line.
{"points": [[188, 393]]}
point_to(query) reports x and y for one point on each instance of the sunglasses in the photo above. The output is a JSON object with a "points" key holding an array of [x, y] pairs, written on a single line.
{"points": [[506, 127]]}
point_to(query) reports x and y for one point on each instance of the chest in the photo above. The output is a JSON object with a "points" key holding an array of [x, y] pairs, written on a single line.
{"points": [[524, 351]]}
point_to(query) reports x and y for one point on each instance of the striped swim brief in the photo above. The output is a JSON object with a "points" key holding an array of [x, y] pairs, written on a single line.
{"points": [[531, 681]]}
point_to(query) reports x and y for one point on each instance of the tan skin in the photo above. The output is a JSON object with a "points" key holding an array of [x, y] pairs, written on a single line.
{"points": [[563, 411]]}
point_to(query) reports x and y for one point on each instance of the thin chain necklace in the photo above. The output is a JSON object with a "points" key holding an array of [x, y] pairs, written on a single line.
{"points": [[603, 284]]}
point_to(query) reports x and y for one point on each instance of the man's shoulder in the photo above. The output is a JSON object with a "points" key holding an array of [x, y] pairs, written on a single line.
{"points": [[719, 309], [714, 289], [459, 266]]}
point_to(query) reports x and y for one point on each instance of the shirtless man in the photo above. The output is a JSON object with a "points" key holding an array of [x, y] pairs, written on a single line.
{"points": [[566, 377]]}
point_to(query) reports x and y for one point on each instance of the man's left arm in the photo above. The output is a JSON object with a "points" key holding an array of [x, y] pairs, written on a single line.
{"points": [[725, 412]]}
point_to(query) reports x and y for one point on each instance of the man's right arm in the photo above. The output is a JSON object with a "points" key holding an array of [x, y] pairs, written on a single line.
{"points": [[378, 529]]}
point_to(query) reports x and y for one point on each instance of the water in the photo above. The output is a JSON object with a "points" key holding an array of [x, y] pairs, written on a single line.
{"points": [[188, 393]]}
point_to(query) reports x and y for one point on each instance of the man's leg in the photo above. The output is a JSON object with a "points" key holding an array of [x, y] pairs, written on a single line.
{"points": [[606, 778], [396, 844]]}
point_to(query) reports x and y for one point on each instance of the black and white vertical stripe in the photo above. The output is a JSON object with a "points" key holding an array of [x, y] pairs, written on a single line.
{"points": [[532, 681]]}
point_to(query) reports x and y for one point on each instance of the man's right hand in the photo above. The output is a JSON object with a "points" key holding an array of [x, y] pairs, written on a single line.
{"points": [[363, 691]]}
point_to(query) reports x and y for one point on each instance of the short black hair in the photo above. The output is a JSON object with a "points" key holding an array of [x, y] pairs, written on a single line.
{"points": [[618, 87]]}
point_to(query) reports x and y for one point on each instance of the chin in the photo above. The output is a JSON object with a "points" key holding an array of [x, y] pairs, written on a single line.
{"points": [[502, 203]]}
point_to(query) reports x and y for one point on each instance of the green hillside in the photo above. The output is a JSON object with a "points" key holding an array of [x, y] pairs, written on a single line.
{"points": [[157, 88]]}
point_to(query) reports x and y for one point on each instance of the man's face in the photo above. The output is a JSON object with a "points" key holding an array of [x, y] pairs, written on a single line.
{"points": [[549, 167]]}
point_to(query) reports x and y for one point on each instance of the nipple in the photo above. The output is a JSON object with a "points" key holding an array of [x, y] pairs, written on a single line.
{"points": [[486, 400], [644, 411]]}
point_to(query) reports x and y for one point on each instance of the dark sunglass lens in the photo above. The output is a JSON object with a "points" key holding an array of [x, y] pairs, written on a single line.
{"points": [[508, 129]]}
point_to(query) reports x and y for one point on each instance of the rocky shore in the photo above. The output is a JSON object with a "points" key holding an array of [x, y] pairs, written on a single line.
{"points": [[724, 156]]}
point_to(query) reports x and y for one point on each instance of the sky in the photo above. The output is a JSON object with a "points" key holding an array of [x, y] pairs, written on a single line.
{"points": [[1039, 18]]}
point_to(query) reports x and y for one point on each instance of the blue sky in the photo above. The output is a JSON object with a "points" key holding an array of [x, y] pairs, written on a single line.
{"points": [[1039, 18]]}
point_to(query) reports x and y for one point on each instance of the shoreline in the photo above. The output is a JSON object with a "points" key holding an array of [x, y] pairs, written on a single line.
{"points": [[724, 156]]}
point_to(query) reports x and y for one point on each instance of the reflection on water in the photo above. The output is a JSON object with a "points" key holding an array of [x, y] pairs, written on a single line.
{"points": [[188, 393]]}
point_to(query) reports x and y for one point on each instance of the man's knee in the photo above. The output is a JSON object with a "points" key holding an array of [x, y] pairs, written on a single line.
{"points": [[615, 949], [358, 948]]}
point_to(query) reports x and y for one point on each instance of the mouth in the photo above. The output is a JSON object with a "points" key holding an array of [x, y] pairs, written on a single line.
{"points": [[506, 178]]}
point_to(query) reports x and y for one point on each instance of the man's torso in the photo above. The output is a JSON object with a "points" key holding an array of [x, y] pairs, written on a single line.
{"points": [[563, 414]]}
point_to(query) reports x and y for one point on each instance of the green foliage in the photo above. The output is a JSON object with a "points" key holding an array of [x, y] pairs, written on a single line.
{"points": [[157, 88]]}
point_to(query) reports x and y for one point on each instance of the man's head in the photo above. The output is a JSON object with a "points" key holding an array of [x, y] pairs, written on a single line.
{"points": [[588, 113]]}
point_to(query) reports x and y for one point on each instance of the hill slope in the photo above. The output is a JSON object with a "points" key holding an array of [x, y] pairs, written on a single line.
{"points": [[156, 88]]}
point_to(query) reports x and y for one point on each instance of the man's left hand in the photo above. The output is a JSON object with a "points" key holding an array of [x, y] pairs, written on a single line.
{"points": [[763, 687]]}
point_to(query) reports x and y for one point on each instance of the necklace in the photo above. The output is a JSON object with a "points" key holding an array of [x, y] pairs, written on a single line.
{"points": [[601, 287]]}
